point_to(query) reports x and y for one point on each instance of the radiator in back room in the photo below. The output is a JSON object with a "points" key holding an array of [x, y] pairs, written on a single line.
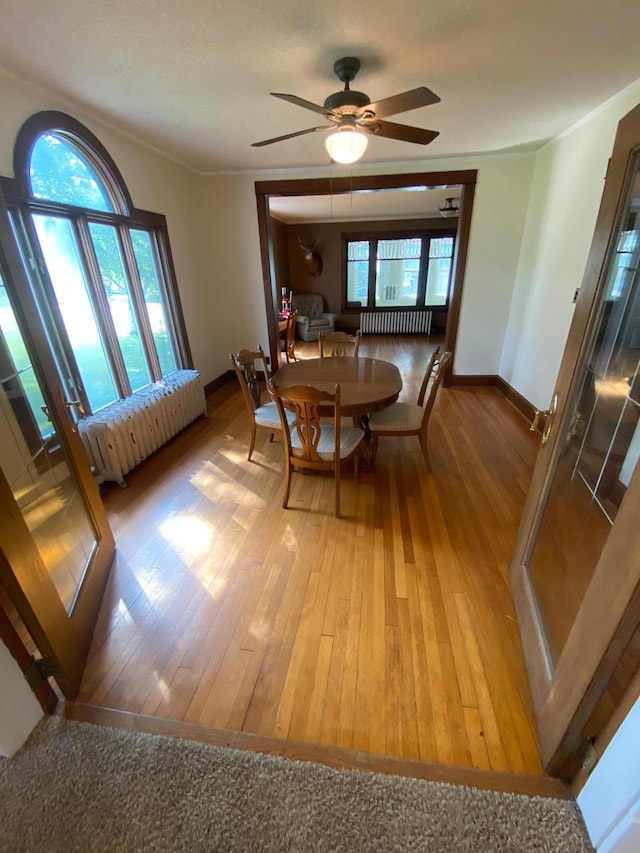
{"points": [[124, 433], [399, 322]]}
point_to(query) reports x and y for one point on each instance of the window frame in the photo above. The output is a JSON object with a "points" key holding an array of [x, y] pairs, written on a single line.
{"points": [[19, 400], [426, 235], [126, 218]]}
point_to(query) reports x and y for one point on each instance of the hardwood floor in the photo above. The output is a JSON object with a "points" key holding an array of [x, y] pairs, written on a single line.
{"points": [[389, 631]]}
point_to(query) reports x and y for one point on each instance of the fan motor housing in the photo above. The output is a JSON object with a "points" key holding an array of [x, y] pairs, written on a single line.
{"points": [[348, 98]]}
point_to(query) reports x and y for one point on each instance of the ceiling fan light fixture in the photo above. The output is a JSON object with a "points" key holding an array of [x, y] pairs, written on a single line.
{"points": [[346, 145], [448, 209]]}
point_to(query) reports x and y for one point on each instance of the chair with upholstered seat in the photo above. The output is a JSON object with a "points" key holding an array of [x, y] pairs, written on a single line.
{"points": [[339, 344], [310, 442], [408, 419], [264, 415]]}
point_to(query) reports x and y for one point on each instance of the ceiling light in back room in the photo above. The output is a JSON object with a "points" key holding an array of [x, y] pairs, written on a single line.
{"points": [[450, 207]]}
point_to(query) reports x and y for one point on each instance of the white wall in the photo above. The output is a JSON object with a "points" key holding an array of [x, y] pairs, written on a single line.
{"points": [[566, 192], [610, 800], [499, 215], [19, 708], [231, 220]]}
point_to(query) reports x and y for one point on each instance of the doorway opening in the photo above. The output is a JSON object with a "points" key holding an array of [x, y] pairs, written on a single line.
{"points": [[463, 181]]}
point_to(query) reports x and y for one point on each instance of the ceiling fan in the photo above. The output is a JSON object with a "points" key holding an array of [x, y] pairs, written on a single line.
{"points": [[351, 114]]}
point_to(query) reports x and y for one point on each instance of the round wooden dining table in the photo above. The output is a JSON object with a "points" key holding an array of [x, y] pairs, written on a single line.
{"points": [[366, 384]]}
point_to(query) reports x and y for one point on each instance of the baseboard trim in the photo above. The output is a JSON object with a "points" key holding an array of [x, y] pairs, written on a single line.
{"points": [[469, 380], [526, 409], [218, 383], [520, 403], [341, 759]]}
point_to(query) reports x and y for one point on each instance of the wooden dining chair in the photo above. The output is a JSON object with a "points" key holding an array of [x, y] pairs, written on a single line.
{"points": [[247, 364], [408, 419], [339, 344], [310, 442], [289, 341]]}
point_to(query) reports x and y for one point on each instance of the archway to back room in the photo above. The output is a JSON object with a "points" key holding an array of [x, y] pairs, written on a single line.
{"points": [[330, 193]]}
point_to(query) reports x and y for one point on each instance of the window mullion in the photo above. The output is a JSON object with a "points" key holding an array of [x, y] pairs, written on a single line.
{"points": [[139, 305], [373, 272], [422, 271], [171, 296], [101, 307]]}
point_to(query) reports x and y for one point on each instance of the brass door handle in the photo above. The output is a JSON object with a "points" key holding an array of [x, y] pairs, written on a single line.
{"points": [[72, 404], [533, 426], [75, 404], [548, 415]]}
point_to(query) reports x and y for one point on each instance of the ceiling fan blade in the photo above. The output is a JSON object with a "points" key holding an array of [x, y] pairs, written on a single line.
{"points": [[401, 131], [402, 103], [289, 135], [300, 102]]}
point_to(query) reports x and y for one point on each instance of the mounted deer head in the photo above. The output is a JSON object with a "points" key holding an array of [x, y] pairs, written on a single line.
{"points": [[312, 259]]}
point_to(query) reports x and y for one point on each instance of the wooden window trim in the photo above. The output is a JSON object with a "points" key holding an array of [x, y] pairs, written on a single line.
{"points": [[17, 192], [372, 237]]}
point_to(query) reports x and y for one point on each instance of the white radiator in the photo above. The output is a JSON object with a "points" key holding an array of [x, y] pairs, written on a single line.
{"points": [[400, 322], [124, 433]]}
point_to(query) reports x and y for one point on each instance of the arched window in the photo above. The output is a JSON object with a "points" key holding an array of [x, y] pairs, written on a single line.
{"points": [[58, 171], [100, 269]]}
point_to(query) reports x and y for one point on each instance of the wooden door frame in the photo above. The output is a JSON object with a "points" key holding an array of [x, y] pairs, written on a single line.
{"points": [[565, 697], [465, 179]]}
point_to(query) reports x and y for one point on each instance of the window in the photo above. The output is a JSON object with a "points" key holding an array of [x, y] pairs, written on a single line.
{"points": [[100, 270], [397, 269], [392, 271], [358, 271]]}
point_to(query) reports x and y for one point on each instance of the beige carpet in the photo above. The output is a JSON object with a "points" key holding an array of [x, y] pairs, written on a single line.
{"points": [[80, 787]]}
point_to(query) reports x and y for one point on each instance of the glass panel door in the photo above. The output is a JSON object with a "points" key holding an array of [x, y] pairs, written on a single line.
{"points": [[35, 465], [575, 571], [601, 447], [56, 545]]}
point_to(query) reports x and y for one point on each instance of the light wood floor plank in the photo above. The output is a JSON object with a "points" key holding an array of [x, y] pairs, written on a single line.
{"points": [[390, 631]]}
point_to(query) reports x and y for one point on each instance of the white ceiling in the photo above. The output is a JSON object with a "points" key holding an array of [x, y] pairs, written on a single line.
{"points": [[192, 78], [411, 203]]}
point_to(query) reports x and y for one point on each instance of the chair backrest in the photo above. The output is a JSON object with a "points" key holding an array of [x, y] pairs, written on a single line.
{"points": [[438, 373], [244, 364], [433, 361], [305, 401], [339, 344]]}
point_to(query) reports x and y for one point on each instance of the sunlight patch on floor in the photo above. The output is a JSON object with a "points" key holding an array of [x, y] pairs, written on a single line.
{"points": [[289, 539], [123, 612], [190, 536]]}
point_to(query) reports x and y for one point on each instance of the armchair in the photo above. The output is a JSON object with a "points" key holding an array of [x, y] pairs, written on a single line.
{"points": [[313, 321]]}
